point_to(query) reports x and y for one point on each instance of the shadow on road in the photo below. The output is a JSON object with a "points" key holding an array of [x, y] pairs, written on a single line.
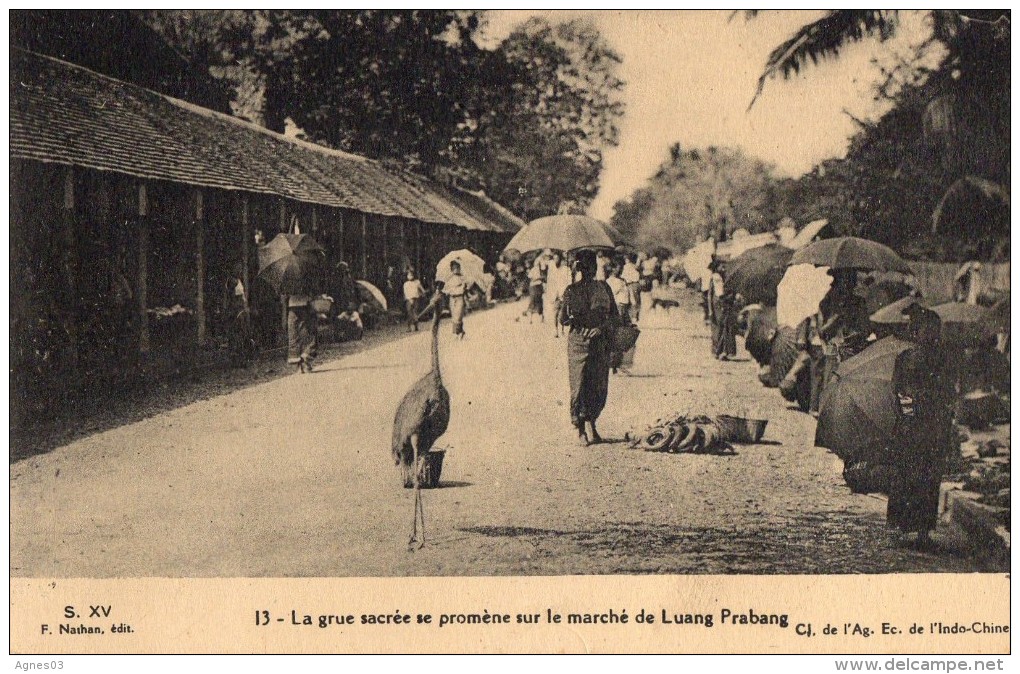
{"points": [[454, 484], [808, 543]]}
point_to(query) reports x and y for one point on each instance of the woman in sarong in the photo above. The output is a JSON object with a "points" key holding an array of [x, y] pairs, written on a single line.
{"points": [[924, 429], [724, 315], [590, 312], [302, 327]]}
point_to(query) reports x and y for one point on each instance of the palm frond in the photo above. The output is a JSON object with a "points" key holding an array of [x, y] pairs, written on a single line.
{"points": [[824, 38]]}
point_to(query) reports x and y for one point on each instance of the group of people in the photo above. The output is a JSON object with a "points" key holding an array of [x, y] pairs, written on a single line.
{"points": [[922, 381], [630, 276]]}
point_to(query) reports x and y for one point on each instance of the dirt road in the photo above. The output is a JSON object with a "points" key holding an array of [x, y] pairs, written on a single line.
{"points": [[293, 477]]}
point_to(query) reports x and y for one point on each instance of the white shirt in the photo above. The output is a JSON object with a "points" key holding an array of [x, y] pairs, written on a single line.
{"points": [[620, 291], [413, 290], [630, 273], [557, 280], [455, 286]]}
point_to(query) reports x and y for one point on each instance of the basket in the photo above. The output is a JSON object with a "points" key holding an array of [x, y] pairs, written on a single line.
{"points": [[623, 338], [430, 466], [738, 429]]}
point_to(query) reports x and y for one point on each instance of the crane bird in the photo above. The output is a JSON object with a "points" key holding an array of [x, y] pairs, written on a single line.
{"points": [[422, 417]]}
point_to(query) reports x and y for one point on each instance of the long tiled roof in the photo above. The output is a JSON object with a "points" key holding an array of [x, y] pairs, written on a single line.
{"points": [[66, 114]]}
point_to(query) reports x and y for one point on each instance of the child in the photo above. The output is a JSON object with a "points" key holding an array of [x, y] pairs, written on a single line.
{"points": [[413, 292]]}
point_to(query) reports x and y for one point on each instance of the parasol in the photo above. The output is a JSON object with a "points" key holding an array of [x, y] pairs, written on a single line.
{"points": [[850, 252], [972, 203], [785, 353], [807, 234], [372, 295], [859, 408], [293, 264], [696, 262], [799, 294], [964, 325], [761, 329], [997, 318], [883, 293], [755, 274], [472, 268], [892, 313], [562, 232]]}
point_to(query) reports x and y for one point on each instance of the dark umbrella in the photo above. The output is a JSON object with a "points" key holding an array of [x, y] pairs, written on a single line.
{"points": [[563, 232], [859, 408], [892, 318], [964, 325], [972, 203], [883, 293], [997, 318], [761, 329], [755, 274], [785, 353], [293, 264], [850, 252]]}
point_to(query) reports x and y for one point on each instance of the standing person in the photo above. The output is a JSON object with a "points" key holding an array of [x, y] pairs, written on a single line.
{"points": [[392, 291], [302, 326], [590, 312], [621, 294], [557, 281], [632, 277], [839, 330], [968, 283], [924, 429], [413, 292], [649, 270], [535, 291], [724, 315], [344, 288], [454, 288], [602, 261]]}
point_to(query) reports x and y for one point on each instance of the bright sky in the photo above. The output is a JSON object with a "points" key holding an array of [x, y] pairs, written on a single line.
{"points": [[691, 75]]}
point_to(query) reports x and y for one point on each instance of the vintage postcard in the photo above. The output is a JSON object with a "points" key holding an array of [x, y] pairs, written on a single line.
{"points": [[477, 331]]}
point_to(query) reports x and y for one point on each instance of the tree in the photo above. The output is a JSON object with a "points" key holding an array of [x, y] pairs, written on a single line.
{"points": [[944, 123], [696, 193], [526, 122], [550, 109]]}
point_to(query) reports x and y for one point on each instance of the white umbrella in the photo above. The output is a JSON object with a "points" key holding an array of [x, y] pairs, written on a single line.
{"points": [[697, 259], [370, 291], [802, 289], [807, 234], [472, 268]]}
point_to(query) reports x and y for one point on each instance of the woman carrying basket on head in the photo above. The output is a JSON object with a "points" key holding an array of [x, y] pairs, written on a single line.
{"points": [[590, 312]]}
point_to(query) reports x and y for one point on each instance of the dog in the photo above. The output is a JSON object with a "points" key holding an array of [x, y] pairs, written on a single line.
{"points": [[665, 303]]}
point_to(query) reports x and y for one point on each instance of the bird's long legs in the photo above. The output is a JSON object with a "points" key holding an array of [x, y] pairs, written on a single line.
{"points": [[419, 513]]}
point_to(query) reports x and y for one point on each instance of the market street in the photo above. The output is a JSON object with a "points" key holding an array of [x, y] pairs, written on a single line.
{"points": [[294, 477]]}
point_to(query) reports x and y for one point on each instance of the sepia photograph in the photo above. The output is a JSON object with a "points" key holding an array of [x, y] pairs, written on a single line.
{"points": [[507, 294]]}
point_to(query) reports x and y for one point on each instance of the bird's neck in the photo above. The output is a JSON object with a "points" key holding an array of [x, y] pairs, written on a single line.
{"points": [[435, 342]]}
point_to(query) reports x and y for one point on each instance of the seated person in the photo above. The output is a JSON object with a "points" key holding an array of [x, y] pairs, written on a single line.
{"points": [[349, 324]]}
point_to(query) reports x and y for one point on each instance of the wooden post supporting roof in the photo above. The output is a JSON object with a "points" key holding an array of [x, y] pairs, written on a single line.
{"points": [[364, 245], [142, 281], [284, 300], [246, 241], [343, 242], [200, 267], [70, 260]]}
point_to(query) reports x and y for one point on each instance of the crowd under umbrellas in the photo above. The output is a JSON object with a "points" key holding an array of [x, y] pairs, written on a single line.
{"points": [[837, 325]]}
